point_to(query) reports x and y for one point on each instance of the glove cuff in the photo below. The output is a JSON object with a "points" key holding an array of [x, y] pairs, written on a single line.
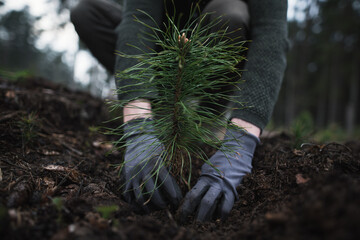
{"points": [[138, 126], [247, 140]]}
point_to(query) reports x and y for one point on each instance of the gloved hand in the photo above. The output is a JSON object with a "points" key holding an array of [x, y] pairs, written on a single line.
{"points": [[215, 191], [143, 156]]}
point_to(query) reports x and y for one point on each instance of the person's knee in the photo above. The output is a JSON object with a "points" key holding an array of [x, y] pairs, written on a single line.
{"points": [[234, 13], [80, 12]]}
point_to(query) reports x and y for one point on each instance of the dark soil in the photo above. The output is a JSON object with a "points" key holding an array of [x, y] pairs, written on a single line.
{"points": [[55, 174]]}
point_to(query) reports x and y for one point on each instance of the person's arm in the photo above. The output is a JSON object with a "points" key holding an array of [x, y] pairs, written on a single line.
{"points": [[249, 127], [266, 61], [215, 191], [144, 152], [137, 109], [130, 32]]}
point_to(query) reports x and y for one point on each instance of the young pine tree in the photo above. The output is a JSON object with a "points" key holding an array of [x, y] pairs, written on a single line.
{"points": [[192, 61]]}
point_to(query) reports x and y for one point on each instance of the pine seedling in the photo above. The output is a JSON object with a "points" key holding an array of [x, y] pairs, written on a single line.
{"points": [[28, 126], [192, 61]]}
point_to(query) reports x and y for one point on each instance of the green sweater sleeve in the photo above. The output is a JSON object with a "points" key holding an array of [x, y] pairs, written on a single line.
{"points": [[266, 63], [130, 32]]}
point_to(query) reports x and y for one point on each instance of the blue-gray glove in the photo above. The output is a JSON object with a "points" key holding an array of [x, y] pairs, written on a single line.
{"points": [[143, 156], [215, 191]]}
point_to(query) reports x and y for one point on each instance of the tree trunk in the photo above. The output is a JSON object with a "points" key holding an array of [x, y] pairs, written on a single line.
{"points": [[334, 90], [351, 109], [321, 103]]}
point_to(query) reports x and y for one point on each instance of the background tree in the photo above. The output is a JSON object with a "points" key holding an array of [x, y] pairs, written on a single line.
{"points": [[19, 53], [322, 75]]}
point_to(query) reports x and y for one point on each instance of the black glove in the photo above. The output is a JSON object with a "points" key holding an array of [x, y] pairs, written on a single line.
{"points": [[215, 191], [143, 156]]}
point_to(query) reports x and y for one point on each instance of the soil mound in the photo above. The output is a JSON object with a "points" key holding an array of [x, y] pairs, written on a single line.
{"points": [[57, 180]]}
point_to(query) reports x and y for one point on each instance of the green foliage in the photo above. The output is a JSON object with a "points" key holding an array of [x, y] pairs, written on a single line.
{"points": [[58, 203], [330, 134], [28, 125], [192, 61], [302, 128], [94, 130], [106, 211], [13, 76]]}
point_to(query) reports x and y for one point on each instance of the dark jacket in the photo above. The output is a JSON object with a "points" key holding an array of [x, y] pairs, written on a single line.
{"points": [[266, 57]]}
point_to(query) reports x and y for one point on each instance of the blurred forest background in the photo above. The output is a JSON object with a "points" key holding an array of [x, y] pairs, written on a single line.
{"points": [[19, 54], [320, 92]]}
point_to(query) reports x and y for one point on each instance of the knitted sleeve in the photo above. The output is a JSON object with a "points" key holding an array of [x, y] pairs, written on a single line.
{"points": [[266, 63], [131, 32]]}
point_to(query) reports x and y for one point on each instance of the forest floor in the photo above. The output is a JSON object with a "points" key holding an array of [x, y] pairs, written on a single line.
{"points": [[58, 182]]}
